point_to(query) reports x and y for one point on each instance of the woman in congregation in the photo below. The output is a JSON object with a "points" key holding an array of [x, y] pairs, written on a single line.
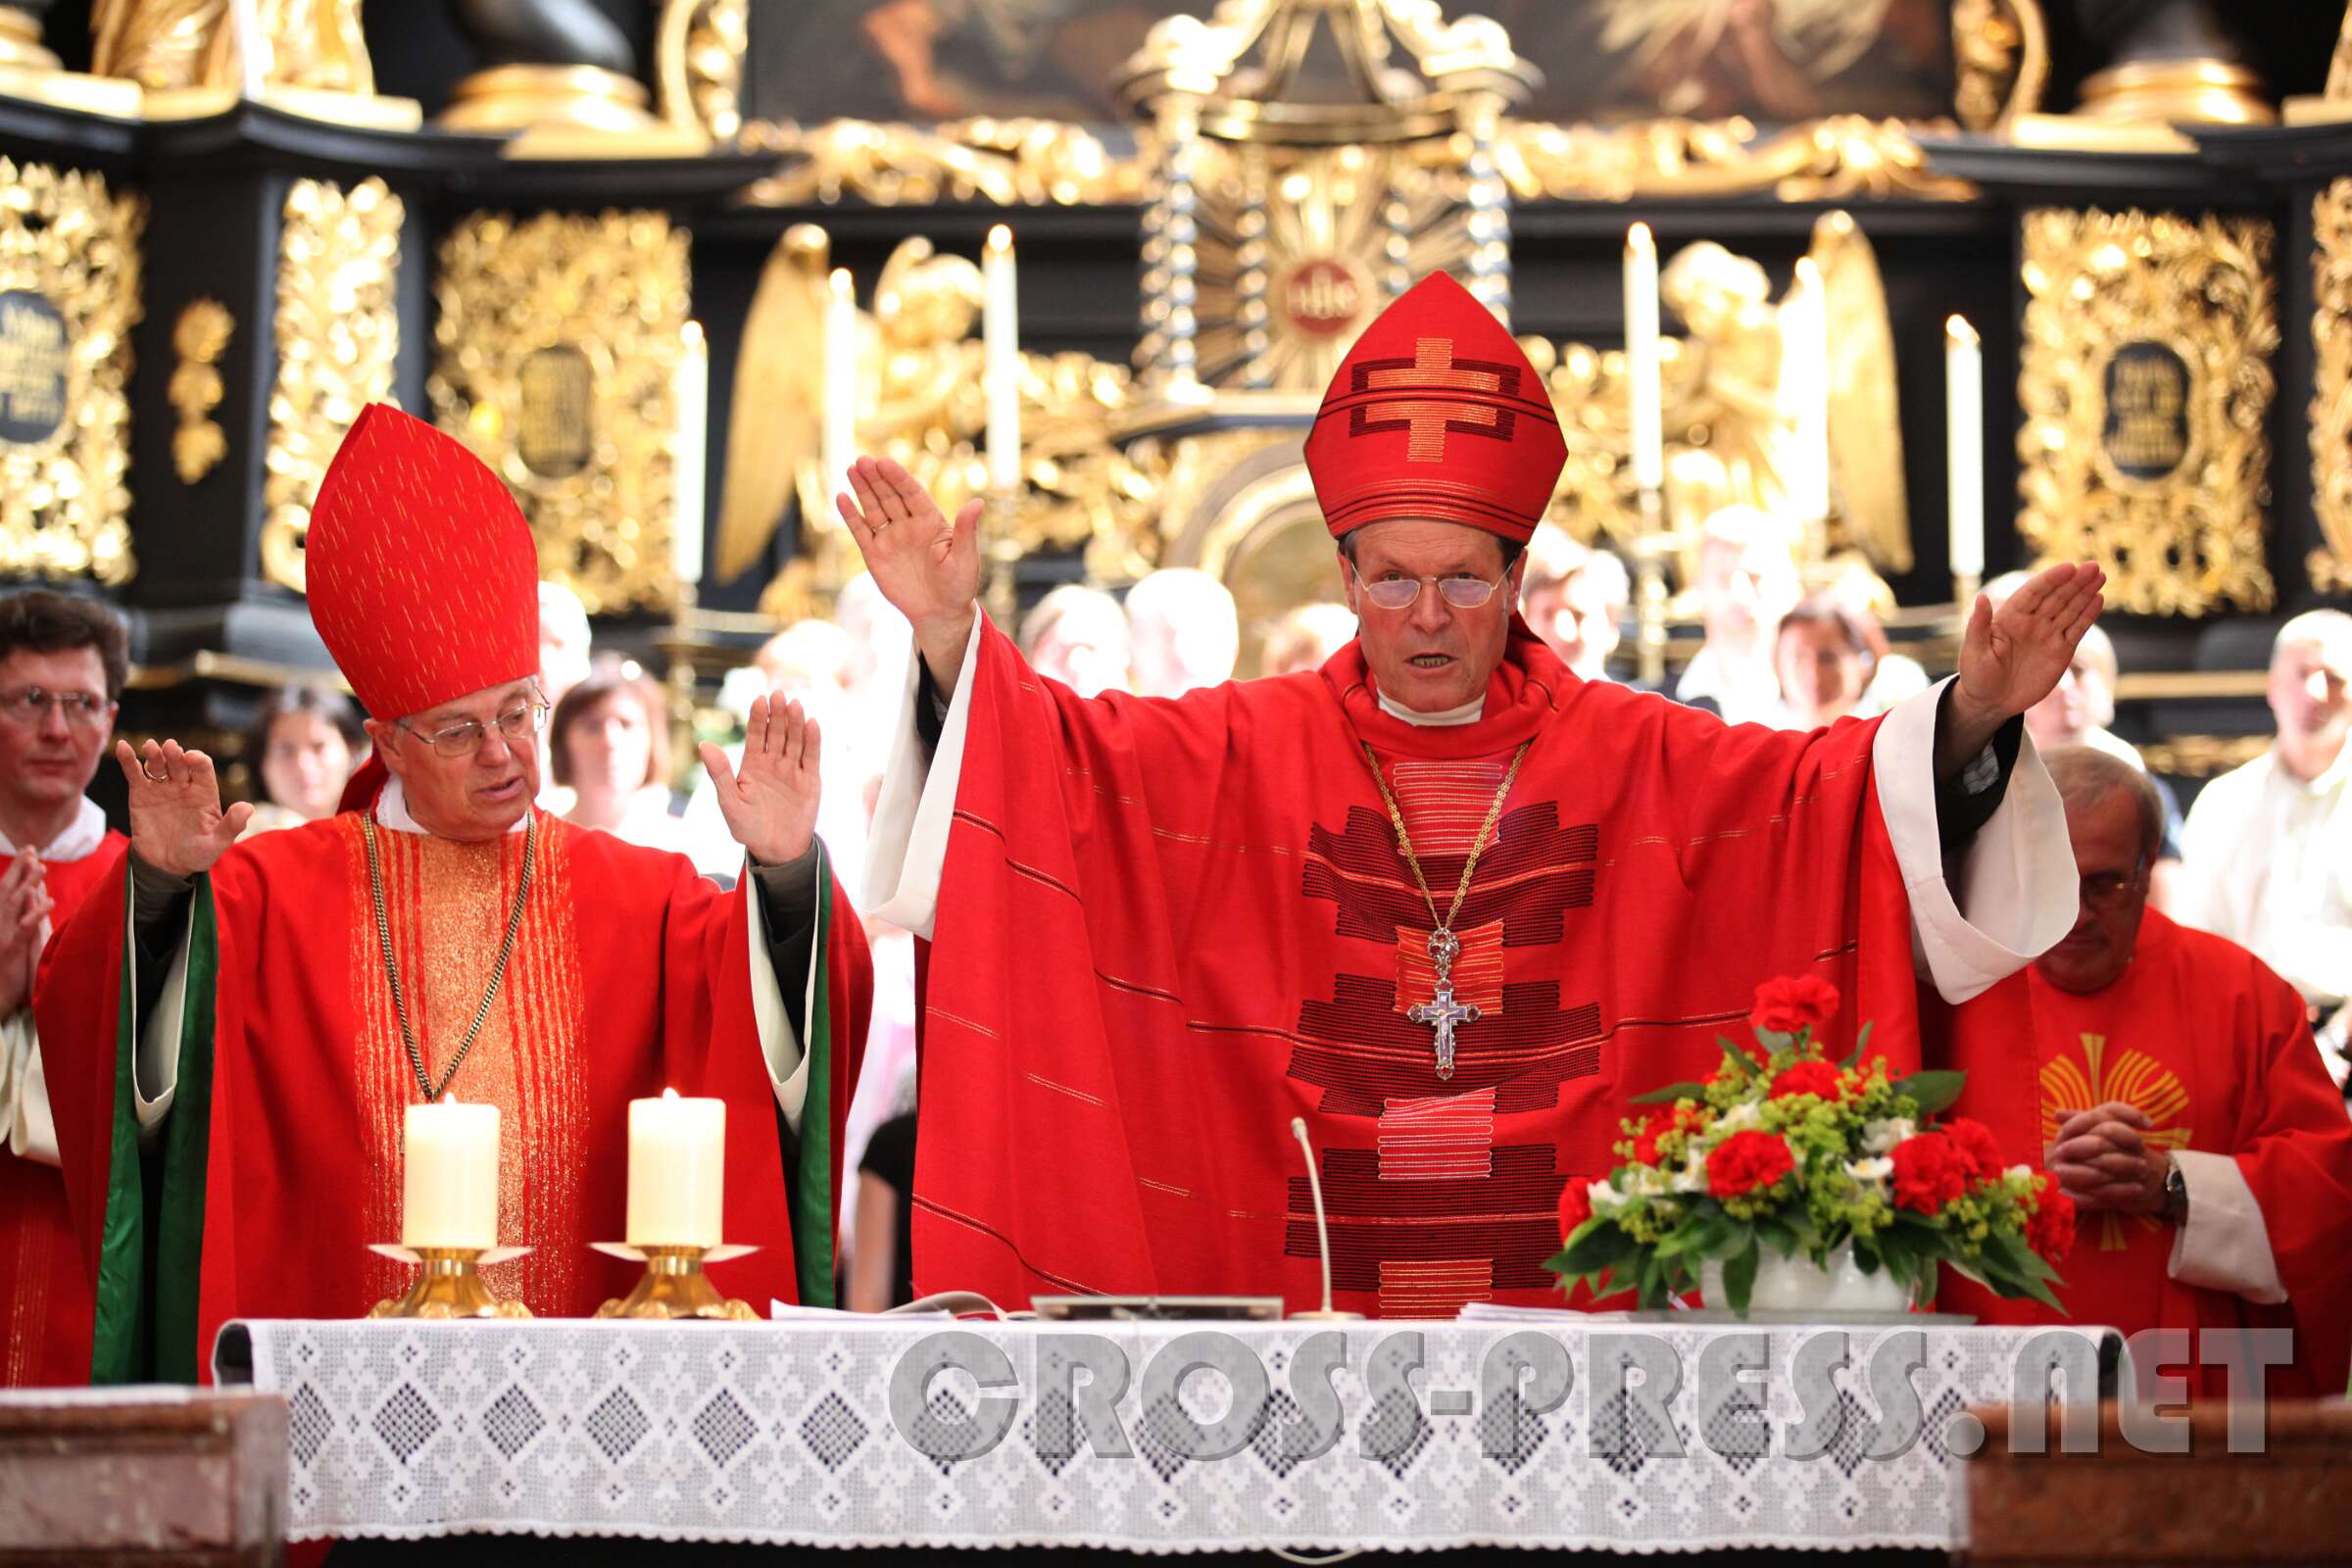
{"points": [[304, 747], [609, 745]]}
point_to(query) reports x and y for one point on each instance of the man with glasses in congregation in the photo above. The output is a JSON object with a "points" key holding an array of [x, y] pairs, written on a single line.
{"points": [[235, 1146], [62, 665], [1443, 898]]}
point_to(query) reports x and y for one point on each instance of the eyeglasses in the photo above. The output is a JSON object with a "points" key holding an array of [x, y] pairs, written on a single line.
{"points": [[1399, 593], [2109, 887], [30, 706], [520, 721]]}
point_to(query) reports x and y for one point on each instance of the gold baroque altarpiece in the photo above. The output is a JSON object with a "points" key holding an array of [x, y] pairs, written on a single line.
{"points": [[556, 359], [337, 332], [2330, 566], [2144, 384], [69, 294]]}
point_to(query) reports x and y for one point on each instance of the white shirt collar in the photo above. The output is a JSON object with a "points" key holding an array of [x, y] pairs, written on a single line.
{"points": [[392, 812], [80, 840], [1468, 714]]}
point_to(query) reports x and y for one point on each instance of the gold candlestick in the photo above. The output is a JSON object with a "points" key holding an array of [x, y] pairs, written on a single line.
{"points": [[449, 1284], [675, 1286]]}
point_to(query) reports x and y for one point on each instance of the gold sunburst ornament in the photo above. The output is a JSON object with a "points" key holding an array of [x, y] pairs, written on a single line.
{"points": [[2132, 1077]]}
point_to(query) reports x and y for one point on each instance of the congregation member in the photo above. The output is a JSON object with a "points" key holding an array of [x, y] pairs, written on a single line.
{"points": [[1306, 637], [1078, 636], [63, 663], [565, 649], [609, 744], [1575, 598], [289, 998], [2184, 1110], [303, 749], [1433, 897], [2267, 851], [1748, 580], [1185, 631], [1823, 660]]}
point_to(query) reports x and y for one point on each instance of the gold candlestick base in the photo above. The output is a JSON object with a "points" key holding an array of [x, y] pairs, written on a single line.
{"points": [[675, 1286], [449, 1284]]}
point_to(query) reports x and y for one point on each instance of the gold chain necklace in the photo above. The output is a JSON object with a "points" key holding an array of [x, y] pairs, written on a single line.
{"points": [[383, 936], [1441, 1013]]}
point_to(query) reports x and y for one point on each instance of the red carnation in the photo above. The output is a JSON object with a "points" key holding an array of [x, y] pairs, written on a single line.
{"points": [[1793, 1002], [1746, 1162], [1674, 1118], [1809, 1078], [1576, 1204], [2050, 1231], [1976, 1145], [1930, 1171]]}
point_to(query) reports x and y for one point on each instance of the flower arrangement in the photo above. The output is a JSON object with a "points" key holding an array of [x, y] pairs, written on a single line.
{"points": [[1783, 1149]]}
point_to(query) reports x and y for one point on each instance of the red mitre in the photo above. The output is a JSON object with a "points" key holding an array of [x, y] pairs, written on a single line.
{"points": [[1436, 413], [423, 579]]}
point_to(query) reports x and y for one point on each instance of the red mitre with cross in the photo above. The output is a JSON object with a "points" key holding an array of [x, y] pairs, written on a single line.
{"points": [[1436, 413], [423, 579]]}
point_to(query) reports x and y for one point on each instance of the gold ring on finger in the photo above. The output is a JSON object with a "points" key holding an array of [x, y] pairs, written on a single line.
{"points": [[150, 777]]}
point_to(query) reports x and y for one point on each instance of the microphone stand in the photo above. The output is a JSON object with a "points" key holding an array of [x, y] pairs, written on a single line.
{"points": [[1314, 1186]]}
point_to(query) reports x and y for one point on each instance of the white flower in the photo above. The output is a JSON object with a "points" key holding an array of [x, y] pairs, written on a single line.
{"points": [[1880, 1137], [2020, 1173], [1693, 1177], [1647, 1182], [1606, 1200], [1871, 1172], [1747, 1113]]}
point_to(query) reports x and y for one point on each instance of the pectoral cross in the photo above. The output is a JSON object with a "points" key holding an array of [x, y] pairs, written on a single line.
{"points": [[1441, 1013]]}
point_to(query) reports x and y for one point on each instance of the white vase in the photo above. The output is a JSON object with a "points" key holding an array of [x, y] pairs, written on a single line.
{"points": [[1800, 1285]]}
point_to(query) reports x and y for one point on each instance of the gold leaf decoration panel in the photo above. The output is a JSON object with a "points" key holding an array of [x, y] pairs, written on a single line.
{"points": [[556, 359], [69, 294], [2332, 385], [2144, 384], [199, 339], [337, 332]]}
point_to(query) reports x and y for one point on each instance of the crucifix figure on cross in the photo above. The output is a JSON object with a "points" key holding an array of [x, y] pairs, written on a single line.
{"points": [[1441, 1013]]}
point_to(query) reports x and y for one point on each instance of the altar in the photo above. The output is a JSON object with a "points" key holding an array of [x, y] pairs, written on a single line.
{"points": [[1546, 1434]]}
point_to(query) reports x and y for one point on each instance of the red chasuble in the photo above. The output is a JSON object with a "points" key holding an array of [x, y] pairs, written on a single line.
{"points": [[2214, 1048], [1166, 928], [45, 1301], [281, 1161]]}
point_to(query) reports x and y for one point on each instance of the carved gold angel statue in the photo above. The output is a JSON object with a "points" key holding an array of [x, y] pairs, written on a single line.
{"points": [[166, 44]]}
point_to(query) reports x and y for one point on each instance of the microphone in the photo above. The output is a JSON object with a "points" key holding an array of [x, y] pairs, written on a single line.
{"points": [[1314, 1188]]}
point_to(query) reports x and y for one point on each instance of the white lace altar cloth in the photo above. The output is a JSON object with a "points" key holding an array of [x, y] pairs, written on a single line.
{"points": [[786, 1433]]}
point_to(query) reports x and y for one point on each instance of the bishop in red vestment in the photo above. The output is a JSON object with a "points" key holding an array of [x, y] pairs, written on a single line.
{"points": [[2184, 1109], [234, 1030], [1443, 898], [62, 665]]}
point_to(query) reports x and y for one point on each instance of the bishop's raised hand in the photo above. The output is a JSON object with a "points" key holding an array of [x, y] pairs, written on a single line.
{"points": [[927, 568], [177, 824], [770, 800]]}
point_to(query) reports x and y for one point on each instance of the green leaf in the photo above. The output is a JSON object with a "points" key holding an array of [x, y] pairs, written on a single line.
{"points": [[1934, 1090], [1700, 1238], [1670, 1094], [1740, 1276], [1742, 1066], [1598, 1247], [1776, 1234], [1861, 1043]]}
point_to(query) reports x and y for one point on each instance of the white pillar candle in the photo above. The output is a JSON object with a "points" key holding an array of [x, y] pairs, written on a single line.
{"points": [[449, 1176], [1001, 341], [1805, 372], [691, 455], [1642, 358], [253, 53], [838, 447], [677, 1172], [1964, 445]]}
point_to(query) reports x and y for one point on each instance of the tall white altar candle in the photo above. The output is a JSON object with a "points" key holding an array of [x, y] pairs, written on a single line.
{"points": [[839, 444], [1001, 375], [449, 1176], [690, 457], [1642, 358], [677, 1172], [1805, 370], [1964, 444]]}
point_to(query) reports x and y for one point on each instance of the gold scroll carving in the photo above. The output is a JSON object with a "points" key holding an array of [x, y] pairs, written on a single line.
{"points": [[69, 281], [2330, 566], [198, 337], [337, 332], [2144, 384], [170, 45], [556, 358]]}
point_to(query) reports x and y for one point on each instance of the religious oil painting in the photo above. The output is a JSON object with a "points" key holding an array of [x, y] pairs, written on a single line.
{"points": [[1772, 61]]}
